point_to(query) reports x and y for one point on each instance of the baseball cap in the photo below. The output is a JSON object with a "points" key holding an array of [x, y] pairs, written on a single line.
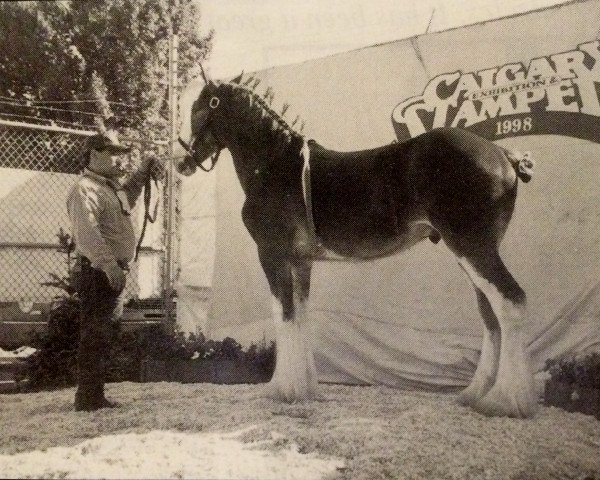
{"points": [[107, 140]]}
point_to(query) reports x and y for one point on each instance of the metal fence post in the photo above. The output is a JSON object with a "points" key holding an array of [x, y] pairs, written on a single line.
{"points": [[169, 291]]}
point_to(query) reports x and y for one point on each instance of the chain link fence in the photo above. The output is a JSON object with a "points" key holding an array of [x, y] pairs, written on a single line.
{"points": [[38, 166]]}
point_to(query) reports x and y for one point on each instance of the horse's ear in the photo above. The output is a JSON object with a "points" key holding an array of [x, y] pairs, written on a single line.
{"points": [[238, 79]]}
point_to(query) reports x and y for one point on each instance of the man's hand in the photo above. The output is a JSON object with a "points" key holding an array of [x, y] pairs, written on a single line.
{"points": [[116, 276], [153, 166]]}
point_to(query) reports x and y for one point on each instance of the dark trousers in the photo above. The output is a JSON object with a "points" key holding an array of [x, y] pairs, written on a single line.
{"points": [[100, 306]]}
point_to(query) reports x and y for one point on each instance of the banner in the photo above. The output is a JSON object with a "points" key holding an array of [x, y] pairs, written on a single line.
{"points": [[557, 94]]}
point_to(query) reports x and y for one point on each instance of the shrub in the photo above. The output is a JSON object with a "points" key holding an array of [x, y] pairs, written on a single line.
{"points": [[54, 365], [262, 357], [581, 370]]}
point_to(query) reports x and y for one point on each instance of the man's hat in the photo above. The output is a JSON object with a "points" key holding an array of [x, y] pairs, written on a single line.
{"points": [[107, 140]]}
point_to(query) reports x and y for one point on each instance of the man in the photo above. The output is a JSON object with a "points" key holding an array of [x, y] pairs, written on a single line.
{"points": [[100, 213]]}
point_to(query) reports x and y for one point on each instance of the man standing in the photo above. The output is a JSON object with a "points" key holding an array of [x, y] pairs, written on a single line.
{"points": [[99, 209]]}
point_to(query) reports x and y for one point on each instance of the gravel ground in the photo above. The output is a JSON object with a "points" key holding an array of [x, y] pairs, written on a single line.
{"points": [[169, 430]]}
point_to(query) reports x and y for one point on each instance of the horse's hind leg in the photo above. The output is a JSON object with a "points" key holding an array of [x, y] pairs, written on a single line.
{"points": [[485, 374], [295, 376], [513, 392]]}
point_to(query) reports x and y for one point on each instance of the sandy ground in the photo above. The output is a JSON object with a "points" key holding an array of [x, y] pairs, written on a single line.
{"points": [[160, 454], [168, 430]]}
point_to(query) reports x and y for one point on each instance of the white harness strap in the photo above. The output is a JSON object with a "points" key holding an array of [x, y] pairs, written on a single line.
{"points": [[306, 192]]}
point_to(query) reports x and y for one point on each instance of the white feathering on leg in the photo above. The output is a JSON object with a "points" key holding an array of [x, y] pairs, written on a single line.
{"points": [[295, 376], [513, 392]]}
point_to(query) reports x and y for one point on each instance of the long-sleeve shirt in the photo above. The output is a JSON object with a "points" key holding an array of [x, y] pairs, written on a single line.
{"points": [[100, 213]]}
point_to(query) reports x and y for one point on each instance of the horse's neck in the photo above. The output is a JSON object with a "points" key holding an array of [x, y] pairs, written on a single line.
{"points": [[255, 147], [246, 167]]}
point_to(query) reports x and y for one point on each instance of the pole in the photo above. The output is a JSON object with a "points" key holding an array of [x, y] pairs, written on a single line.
{"points": [[168, 304]]}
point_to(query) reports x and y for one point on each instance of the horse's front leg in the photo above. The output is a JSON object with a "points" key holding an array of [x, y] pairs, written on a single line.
{"points": [[295, 376]]}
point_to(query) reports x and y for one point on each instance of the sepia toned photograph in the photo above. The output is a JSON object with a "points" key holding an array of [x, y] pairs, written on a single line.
{"points": [[295, 240]]}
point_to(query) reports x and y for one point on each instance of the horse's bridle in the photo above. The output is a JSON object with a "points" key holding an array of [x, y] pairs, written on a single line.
{"points": [[189, 149]]}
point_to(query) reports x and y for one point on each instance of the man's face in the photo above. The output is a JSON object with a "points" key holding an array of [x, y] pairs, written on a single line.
{"points": [[108, 164]]}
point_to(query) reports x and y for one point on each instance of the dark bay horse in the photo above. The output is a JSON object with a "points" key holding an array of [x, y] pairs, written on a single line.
{"points": [[305, 203]]}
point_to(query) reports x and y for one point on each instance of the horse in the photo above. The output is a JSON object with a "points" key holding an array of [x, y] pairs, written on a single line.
{"points": [[305, 203]]}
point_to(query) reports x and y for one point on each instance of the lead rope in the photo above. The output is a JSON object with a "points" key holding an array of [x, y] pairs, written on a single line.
{"points": [[147, 216]]}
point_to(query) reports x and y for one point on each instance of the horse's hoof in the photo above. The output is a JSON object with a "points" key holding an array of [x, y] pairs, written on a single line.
{"points": [[475, 391], [466, 398], [272, 392], [499, 403], [287, 395]]}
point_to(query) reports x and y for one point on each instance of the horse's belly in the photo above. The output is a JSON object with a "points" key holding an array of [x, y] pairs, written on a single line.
{"points": [[360, 247]]}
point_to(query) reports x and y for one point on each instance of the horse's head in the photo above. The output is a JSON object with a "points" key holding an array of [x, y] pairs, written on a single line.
{"points": [[201, 142]]}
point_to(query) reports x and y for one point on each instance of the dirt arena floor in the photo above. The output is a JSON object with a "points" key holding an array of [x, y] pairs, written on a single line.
{"points": [[204, 431]]}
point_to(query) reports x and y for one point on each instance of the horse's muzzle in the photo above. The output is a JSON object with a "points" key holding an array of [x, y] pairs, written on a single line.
{"points": [[186, 166]]}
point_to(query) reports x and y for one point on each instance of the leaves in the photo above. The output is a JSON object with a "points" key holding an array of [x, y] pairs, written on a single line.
{"points": [[67, 245], [581, 370], [59, 282], [114, 51]]}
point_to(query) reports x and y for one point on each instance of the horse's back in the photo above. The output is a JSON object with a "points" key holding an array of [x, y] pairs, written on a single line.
{"points": [[442, 161], [461, 153], [450, 177], [438, 147]]}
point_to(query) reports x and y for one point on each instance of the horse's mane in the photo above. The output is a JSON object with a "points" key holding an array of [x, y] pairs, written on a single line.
{"points": [[260, 120]]}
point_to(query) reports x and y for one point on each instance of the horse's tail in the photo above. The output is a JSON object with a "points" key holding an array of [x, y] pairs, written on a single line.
{"points": [[522, 163]]}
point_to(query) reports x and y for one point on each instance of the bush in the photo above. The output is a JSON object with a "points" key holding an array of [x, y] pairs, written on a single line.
{"points": [[54, 365], [262, 357], [581, 370]]}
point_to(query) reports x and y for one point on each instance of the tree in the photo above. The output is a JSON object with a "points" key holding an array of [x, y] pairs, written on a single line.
{"points": [[114, 52], [36, 60]]}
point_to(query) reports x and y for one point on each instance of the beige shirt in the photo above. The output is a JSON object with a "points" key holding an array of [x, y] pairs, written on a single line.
{"points": [[100, 214]]}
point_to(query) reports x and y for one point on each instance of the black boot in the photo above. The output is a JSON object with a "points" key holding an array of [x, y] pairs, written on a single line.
{"points": [[86, 401]]}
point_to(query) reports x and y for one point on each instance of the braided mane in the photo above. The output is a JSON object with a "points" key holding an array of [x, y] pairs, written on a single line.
{"points": [[258, 119]]}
